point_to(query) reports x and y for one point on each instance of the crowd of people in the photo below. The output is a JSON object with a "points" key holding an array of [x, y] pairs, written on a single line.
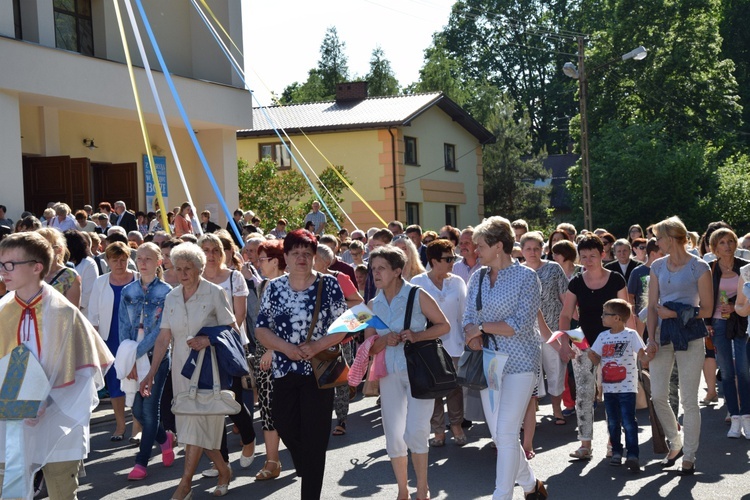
{"points": [[578, 316]]}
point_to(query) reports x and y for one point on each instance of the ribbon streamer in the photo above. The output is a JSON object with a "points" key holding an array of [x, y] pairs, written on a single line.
{"points": [[144, 129], [240, 73], [185, 119], [159, 108]]}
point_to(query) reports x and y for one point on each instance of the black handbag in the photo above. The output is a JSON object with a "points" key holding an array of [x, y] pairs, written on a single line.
{"points": [[470, 372], [429, 366]]}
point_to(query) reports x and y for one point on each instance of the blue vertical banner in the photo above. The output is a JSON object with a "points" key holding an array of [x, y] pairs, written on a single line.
{"points": [[161, 172]]}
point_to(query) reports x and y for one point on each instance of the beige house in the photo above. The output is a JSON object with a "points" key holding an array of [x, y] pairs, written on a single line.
{"points": [[69, 129], [415, 158]]}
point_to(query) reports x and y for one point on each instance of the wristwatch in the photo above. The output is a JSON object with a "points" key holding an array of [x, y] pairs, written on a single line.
{"points": [[481, 327]]}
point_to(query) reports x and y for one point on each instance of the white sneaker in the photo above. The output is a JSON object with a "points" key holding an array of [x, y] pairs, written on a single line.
{"points": [[214, 472], [746, 426], [735, 431]]}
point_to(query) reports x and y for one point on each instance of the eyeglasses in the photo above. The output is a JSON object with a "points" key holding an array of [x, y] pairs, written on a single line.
{"points": [[449, 260], [641, 247], [266, 258], [11, 265]]}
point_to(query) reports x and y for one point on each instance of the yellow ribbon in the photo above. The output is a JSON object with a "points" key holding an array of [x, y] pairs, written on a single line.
{"points": [[144, 130]]}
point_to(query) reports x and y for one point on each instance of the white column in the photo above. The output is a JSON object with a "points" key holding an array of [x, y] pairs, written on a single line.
{"points": [[10, 161]]}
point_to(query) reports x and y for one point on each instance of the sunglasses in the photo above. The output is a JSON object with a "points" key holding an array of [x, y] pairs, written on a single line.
{"points": [[449, 260], [641, 248]]}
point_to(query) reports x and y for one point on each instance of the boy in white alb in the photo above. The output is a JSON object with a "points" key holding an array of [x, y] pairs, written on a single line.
{"points": [[619, 349]]}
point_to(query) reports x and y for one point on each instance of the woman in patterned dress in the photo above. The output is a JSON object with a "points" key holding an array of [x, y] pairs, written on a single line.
{"points": [[62, 278], [511, 297], [301, 412]]}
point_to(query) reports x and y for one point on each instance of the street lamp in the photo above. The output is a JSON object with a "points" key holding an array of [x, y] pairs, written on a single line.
{"points": [[579, 73]]}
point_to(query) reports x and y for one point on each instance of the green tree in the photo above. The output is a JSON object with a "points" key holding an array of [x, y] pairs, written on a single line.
{"points": [[510, 170], [639, 175], [321, 81], [381, 80], [736, 46], [732, 203], [271, 193]]}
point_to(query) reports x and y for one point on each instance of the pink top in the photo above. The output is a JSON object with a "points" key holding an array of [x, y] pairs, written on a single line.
{"points": [[347, 287], [729, 286], [182, 226]]}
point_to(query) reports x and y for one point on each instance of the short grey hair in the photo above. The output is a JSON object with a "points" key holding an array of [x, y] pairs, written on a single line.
{"points": [[62, 209], [189, 252], [117, 229], [120, 203], [325, 253], [495, 230], [622, 242]]}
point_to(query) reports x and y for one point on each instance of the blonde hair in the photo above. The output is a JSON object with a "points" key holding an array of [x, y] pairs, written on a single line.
{"points": [[57, 240], [413, 265], [719, 234], [212, 239], [153, 247], [672, 227]]}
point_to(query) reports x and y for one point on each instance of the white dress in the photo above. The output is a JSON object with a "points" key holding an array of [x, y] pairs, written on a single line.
{"points": [[207, 307]]}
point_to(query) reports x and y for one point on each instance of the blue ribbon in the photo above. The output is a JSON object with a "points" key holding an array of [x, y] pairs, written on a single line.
{"points": [[186, 120]]}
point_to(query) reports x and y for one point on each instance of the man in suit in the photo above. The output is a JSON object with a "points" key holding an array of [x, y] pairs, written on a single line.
{"points": [[125, 219], [236, 223], [623, 263]]}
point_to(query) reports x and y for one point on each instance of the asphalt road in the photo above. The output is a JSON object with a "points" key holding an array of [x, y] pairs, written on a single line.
{"points": [[357, 466]]}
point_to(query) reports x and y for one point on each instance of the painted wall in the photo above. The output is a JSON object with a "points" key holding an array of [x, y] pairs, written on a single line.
{"points": [[367, 157]]}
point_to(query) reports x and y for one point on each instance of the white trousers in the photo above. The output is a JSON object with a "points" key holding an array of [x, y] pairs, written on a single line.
{"points": [[505, 427], [406, 420]]}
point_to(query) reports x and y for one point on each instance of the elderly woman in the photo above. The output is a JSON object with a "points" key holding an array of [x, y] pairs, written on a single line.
{"points": [[413, 264], [192, 305], [731, 349], [406, 420], [62, 220], [449, 291], [272, 265], [587, 293], [510, 299], [554, 285], [681, 281], [103, 312], [141, 308], [236, 290], [301, 412], [62, 278]]}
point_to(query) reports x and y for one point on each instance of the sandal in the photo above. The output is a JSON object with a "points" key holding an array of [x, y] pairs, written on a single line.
{"points": [[265, 473], [582, 453], [560, 421], [117, 437], [460, 440], [340, 429], [437, 442]]}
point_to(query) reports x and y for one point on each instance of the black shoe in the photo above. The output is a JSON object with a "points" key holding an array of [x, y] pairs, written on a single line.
{"points": [[669, 462], [466, 424], [686, 472]]}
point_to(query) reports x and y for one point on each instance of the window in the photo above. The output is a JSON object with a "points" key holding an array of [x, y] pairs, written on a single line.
{"points": [[451, 215], [412, 213], [410, 150], [278, 153], [73, 26], [17, 19], [449, 152]]}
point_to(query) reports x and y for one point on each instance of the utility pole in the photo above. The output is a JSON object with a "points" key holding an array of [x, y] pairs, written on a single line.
{"points": [[583, 86]]}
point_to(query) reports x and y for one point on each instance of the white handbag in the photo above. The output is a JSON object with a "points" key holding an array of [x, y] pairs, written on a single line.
{"points": [[214, 401]]}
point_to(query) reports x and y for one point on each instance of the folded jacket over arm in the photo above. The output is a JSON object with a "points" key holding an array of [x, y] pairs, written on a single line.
{"points": [[684, 328]]}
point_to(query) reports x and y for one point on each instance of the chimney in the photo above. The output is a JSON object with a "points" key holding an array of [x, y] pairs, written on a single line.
{"points": [[351, 91]]}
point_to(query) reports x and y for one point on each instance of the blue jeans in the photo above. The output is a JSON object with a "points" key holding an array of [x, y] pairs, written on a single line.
{"points": [[621, 415], [732, 357], [146, 410]]}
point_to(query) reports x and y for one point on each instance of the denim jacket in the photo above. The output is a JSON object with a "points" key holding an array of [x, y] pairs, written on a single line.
{"points": [[134, 301], [684, 328]]}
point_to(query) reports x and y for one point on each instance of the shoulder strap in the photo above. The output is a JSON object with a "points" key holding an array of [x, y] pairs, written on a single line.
{"points": [[482, 273], [58, 275], [317, 308], [410, 307]]}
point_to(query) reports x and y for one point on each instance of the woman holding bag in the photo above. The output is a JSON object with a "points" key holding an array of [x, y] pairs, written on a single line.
{"points": [[406, 420], [193, 304], [510, 300], [301, 412]]}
